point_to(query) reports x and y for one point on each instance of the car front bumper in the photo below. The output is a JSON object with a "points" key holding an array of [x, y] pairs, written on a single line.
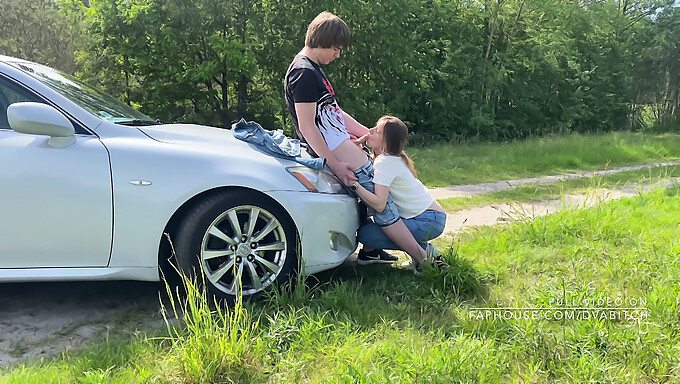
{"points": [[327, 226]]}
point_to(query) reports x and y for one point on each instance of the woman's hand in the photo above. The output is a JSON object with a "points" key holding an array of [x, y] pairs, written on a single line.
{"points": [[376, 200]]}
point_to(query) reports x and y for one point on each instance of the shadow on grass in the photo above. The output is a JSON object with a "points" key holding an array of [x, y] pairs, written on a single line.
{"points": [[370, 295], [462, 280]]}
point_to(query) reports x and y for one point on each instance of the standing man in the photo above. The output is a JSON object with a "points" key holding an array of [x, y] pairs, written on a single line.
{"points": [[326, 128]]}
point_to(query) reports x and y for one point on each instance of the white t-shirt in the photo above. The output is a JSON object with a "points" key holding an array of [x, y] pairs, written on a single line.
{"points": [[409, 194]]}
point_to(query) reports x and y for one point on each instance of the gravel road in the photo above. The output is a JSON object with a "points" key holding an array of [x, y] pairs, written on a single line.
{"points": [[43, 319]]}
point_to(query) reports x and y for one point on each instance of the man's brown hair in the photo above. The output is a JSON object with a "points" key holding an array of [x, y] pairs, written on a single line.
{"points": [[327, 31]]}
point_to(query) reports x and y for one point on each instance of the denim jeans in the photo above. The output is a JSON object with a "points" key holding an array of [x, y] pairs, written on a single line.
{"points": [[424, 227], [274, 143], [390, 214]]}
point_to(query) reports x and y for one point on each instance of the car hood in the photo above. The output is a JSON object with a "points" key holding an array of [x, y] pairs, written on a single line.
{"points": [[210, 141], [188, 134], [210, 147], [205, 138]]}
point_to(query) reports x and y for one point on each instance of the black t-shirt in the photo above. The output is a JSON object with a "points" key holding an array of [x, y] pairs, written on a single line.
{"points": [[306, 82]]}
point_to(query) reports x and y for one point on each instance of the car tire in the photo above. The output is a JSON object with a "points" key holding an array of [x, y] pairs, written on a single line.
{"points": [[237, 242]]}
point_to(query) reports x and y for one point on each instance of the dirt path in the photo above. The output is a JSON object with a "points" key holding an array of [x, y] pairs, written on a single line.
{"points": [[494, 213], [502, 212], [43, 319], [478, 189]]}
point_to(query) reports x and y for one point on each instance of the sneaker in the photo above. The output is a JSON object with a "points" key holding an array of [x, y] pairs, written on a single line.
{"points": [[434, 260], [432, 252], [376, 256]]}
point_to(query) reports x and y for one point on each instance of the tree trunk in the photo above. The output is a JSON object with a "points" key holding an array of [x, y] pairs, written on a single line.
{"points": [[126, 62], [224, 113], [242, 96], [242, 105], [493, 25]]}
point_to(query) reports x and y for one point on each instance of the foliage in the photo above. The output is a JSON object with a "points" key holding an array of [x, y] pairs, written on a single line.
{"points": [[210, 345], [383, 324], [176, 60], [460, 69], [470, 163], [35, 30]]}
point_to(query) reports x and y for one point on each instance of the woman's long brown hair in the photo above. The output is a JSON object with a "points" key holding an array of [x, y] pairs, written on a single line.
{"points": [[395, 138]]}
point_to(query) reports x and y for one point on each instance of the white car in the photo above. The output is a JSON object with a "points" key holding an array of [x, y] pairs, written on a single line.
{"points": [[89, 187]]}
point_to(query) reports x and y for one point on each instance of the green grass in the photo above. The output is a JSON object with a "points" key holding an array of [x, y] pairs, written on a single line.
{"points": [[627, 249], [382, 324], [476, 163], [550, 191]]}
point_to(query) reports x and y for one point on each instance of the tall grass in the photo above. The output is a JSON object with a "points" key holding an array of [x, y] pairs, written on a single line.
{"points": [[484, 162], [626, 249], [213, 343], [380, 324]]}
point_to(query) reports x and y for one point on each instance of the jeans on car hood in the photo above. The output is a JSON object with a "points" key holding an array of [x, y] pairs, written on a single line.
{"points": [[274, 143]]}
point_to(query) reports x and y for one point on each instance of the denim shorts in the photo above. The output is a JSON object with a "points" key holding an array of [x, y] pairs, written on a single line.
{"points": [[390, 214]]}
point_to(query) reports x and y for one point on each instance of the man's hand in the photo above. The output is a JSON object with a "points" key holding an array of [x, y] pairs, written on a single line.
{"points": [[343, 171]]}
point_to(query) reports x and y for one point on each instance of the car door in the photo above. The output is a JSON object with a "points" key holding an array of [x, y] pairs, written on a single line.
{"points": [[55, 203]]}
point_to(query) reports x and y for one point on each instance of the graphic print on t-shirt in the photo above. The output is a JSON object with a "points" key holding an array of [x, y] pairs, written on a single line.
{"points": [[328, 115], [329, 87], [305, 83]]}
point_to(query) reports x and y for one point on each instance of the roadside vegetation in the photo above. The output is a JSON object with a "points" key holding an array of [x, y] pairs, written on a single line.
{"points": [[473, 163], [552, 191], [458, 72], [452, 70], [383, 324]]}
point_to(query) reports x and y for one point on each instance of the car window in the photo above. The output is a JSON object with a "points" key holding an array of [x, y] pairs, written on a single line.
{"points": [[11, 93], [91, 99]]}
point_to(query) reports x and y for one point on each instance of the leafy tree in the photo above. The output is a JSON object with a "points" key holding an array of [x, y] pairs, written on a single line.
{"points": [[667, 106], [452, 69], [178, 60], [34, 30]]}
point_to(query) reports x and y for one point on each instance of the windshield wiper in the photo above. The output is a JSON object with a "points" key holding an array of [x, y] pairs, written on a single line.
{"points": [[140, 123]]}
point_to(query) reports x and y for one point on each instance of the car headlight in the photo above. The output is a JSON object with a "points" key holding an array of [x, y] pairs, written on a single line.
{"points": [[317, 181]]}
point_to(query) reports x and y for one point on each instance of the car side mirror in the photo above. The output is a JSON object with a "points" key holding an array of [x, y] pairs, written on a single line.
{"points": [[41, 119]]}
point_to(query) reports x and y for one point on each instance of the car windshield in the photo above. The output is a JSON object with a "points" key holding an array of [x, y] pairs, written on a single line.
{"points": [[91, 99]]}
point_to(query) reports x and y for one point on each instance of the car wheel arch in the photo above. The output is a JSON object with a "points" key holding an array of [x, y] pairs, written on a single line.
{"points": [[165, 252]]}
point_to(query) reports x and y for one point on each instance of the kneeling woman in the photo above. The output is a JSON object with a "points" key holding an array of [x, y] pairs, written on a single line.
{"points": [[396, 175]]}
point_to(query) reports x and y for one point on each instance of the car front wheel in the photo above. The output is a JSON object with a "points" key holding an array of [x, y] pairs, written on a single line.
{"points": [[241, 242]]}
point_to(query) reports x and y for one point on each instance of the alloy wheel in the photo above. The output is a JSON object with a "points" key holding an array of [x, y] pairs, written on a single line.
{"points": [[244, 250]]}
